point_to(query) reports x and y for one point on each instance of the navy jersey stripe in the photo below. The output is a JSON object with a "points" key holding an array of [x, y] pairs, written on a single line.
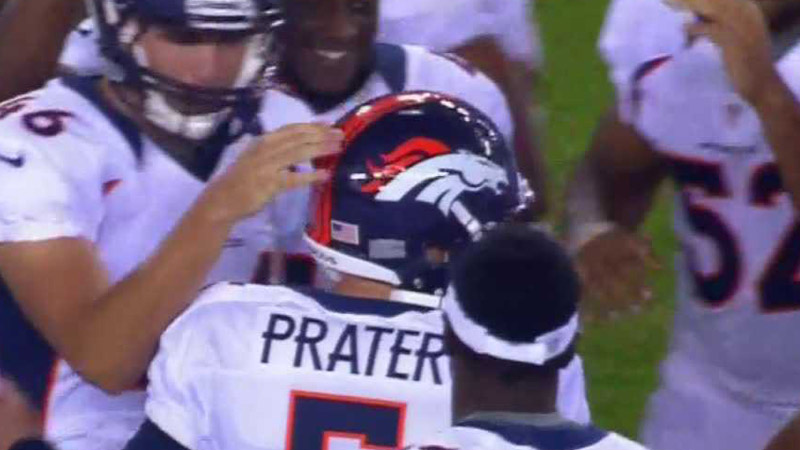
{"points": [[25, 356], [565, 437], [151, 437], [390, 62]]}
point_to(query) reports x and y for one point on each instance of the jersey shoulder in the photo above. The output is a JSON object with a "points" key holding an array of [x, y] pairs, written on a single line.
{"points": [[440, 26], [495, 435], [56, 152], [211, 330], [64, 120], [449, 74], [637, 31], [615, 441]]}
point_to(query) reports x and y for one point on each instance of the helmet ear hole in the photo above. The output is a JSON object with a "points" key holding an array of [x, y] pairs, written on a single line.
{"points": [[436, 255]]}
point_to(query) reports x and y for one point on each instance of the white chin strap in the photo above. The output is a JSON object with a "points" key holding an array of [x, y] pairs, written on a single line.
{"points": [[195, 127], [545, 348]]}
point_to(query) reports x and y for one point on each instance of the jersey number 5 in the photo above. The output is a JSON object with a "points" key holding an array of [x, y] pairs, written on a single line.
{"points": [[331, 422], [778, 285]]}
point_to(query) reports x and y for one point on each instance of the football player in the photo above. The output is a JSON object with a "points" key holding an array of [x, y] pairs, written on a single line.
{"points": [[331, 61], [494, 36], [510, 324], [124, 194], [716, 111], [421, 176]]}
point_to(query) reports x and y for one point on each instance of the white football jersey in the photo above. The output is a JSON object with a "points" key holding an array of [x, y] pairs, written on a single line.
{"points": [[445, 26], [411, 68], [635, 32], [739, 297], [266, 367], [401, 68], [524, 432], [70, 166]]}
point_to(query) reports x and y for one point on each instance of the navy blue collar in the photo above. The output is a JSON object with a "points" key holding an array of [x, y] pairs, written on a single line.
{"points": [[570, 436], [354, 305], [89, 88]]}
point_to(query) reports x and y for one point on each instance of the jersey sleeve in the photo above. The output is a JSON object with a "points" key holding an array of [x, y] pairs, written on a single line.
{"points": [[174, 402], [635, 32], [518, 32], [454, 76], [50, 189]]}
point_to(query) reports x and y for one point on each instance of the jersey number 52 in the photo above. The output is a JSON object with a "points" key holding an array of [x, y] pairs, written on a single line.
{"points": [[778, 285]]}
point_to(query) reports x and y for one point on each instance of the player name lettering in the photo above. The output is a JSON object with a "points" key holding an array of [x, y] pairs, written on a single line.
{"points": [[362, 349]]}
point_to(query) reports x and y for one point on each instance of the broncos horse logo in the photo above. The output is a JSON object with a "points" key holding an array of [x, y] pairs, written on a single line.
{"points": [[445, 178]]}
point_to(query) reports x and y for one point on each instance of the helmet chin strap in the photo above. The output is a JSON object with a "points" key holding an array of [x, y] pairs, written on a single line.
{"points": [[195, 127], [158, 111]]}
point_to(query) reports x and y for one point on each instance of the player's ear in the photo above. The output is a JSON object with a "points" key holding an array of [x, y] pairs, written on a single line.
{"points": [[436, 255]]}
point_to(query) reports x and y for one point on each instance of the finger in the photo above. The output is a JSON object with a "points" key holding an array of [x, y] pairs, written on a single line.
{"points": [[306, 153], [287, 131], [285, 141], [282, 158], [296, 180]]}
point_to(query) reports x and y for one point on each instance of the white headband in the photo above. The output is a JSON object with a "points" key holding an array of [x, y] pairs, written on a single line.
{"points": [[478, 338]]}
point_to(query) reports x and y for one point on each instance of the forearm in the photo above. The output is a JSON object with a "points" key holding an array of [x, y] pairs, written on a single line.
{"points": [[33, 33], [120, 332], [779, 112], [788, 438], [615, 182]]}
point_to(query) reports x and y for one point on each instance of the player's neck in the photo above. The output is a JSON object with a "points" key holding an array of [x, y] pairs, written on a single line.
{"points": [[353, 286], [539, 398]]}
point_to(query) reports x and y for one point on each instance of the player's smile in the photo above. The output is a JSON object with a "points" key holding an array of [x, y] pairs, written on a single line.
{"points": [[328, 44]]}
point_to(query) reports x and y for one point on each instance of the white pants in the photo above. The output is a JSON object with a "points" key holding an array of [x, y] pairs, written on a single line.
{"points": [[689, 412]]}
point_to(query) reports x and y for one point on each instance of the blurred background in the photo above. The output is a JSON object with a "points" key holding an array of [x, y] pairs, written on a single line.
{"points": [[621, 357]]}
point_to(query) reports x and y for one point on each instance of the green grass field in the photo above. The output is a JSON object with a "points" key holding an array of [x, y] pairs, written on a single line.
{"points": [[621, 358]]}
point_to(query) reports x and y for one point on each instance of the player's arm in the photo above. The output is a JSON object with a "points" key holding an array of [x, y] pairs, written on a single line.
{"points": [[740, 30], [517, 86], [788, 438], [608, 198], [33, 34], [110, 333], [19, 420]]}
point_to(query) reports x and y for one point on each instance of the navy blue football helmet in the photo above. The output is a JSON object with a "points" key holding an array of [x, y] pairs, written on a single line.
{"points": [[422, 175], [120, 22]]}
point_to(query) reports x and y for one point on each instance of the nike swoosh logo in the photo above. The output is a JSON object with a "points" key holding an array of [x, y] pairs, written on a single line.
{"points": [[16, 162]]}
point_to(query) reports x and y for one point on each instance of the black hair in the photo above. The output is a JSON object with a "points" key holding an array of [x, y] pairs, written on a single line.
{"points": [[518, 283]]}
